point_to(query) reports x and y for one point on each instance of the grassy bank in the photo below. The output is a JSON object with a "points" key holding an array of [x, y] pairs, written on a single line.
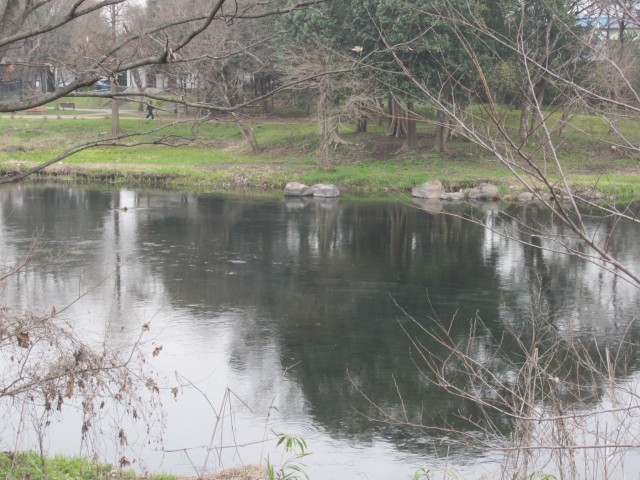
{"points": [[217, 157], [29, 465]]}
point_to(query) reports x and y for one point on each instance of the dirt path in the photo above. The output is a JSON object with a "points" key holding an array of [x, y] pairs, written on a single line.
{"points": [[84, 113]]}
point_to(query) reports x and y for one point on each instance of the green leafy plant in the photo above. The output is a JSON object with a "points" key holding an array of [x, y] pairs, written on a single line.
{"points": [[423, 473], [542, 476], [290, 467]]}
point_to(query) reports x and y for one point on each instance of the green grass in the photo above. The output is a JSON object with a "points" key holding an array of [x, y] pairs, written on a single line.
{"points": [[218, 157], [29, 465]]}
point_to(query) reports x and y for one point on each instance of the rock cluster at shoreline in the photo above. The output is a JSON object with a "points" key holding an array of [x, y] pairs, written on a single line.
{"points": [[486, 192], [297, 189], [434, 190]]}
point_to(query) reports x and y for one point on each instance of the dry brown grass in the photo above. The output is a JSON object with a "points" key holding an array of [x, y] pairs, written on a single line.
{"points": [[248, 472]]}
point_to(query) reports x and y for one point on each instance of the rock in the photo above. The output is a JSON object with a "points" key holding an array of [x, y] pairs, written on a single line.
{"points": [[484, 192], [453, 196], [296, 189], [326, 190], [526, 197], [584, 193], [430, 189], [590, 193], [546, 196]]}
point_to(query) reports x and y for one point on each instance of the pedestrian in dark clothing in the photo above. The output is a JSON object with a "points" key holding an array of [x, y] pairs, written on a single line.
{"points": [[150, 109]]}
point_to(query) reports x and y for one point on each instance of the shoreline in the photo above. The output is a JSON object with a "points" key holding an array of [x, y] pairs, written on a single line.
{"points": [[220, 160], [231, 182]]}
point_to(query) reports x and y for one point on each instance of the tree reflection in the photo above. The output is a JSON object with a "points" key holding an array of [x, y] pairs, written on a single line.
{"points": [[330, 287]]}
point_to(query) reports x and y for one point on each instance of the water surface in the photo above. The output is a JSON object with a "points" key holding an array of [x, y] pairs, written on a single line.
{"points": [[299, 307]]}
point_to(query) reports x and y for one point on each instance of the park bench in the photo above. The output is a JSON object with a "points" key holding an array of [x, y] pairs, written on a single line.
{"points": [[40, 109], [65, 105]]}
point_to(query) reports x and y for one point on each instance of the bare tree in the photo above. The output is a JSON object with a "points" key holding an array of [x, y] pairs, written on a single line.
{"points": [[558, 394], [49, 368], [160, 41], [342, 95], [80, 42]]}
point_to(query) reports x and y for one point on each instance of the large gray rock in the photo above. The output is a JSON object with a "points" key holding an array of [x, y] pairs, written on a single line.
{"points": [[430, 189], [526, 197], [484, 192], [296, 189], [326, 190]]}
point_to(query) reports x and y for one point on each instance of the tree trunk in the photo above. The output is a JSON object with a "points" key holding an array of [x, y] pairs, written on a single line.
{"points": [[115, 111], [137, 79], [324, 121], [442, 133], [398, 125], [327, 122], [613, 109], [564, 119], [115, 107], [412, 135], [361, 125], [523, 133], [247, 133], [441, 139], [12, 16], [537, 117]]}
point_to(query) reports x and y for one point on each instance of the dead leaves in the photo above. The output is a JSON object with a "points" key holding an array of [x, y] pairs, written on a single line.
{"points": [[52, 368], [152, 385], [23, 339], [85, 427], [70, 383]]}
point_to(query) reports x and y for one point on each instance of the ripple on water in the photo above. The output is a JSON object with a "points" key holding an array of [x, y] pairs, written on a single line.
{"points": [[152, 244], [296, 428]]}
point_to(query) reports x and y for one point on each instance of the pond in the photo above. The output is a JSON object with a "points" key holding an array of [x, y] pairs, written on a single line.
{"points": [[298, 316]]}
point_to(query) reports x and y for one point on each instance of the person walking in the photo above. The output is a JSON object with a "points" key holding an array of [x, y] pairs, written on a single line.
{"points": [[150, 109]]}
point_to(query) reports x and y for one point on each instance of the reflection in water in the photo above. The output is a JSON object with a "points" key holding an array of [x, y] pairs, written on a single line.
{"points": [[295, 302]]}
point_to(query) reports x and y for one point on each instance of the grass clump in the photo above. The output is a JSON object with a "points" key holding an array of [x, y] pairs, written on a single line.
{"points": [[29, 465]]}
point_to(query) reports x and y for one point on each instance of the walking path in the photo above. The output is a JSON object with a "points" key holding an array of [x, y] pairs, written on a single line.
{"points": [[85, 113]]}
